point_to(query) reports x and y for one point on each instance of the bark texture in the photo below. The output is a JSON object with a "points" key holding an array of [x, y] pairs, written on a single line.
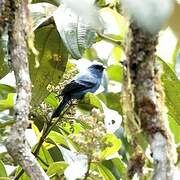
{"points": [[17, 24], [145, 91]]}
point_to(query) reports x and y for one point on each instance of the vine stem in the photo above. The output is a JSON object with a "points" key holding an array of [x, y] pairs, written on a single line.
{"points": [[46, 130]]}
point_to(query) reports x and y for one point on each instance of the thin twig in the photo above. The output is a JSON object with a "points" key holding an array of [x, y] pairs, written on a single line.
{"points": [[46, 130], [111, 40], [47, 165]]}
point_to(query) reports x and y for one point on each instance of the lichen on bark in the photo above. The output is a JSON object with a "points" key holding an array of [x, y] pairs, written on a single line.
{"points": [[147, 107], [16, 143]]}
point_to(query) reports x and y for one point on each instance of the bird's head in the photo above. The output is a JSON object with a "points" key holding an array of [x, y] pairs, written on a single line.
{"points": [[97, 69]]}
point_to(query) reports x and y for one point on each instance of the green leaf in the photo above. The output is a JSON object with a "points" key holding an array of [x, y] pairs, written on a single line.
{"points": [[41, 13], [115, 72], [51, 99], [113, 19], [24, 176], [52, 58], [76, 35], [113, 145], [36, 130], [7, 103], [105, 172], [117, 54], [69, 128], [5, 89], [45, 156], [56, 168], [112, 101], [121, 167], [172, 91], [3, 173], [57, 138], [92, 100], [175, 129]]}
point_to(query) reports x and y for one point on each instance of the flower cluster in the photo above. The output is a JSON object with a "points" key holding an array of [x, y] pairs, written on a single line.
{"points": [[91, 139]]}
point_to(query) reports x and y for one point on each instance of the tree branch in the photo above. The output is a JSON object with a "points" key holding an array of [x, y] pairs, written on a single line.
{"points": [[16, 143], [147, 100]]}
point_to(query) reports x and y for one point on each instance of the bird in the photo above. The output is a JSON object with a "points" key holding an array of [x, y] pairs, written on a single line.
{"points": [[88, 81]]}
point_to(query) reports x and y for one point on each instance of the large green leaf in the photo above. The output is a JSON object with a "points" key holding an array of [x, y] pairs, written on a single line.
{"points": [[24, 176], [57, 138], [7, 103], [175, 129], [120, 165], [112, 101], [76, 35], [41, 13], [89, 101], [116, 25], [56, 168], [3, 173], [52, 58], [172, 90], [105, 172], [115, 72], [45, 156], [115, 144]]}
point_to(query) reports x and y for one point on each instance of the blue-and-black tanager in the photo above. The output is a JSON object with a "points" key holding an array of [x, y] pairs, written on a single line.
{"points": [[89, 81]]}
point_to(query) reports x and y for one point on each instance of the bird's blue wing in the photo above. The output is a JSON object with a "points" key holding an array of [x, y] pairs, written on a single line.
{"points": [[77, 86]]}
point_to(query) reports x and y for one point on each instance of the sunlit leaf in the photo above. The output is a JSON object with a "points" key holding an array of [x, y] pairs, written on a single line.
{"points": [[167, 56], [45, 156], [52, 58], [172, 89], [113, 145], [92, 100], [3, 173], [51, 99], [121, 167], [41, 12], [57, 138], [24, 176], [117, 54], [56, 168], [7, 103], [115, 72], [105, 172], [76, 35], [175, 128], [115, 24]]}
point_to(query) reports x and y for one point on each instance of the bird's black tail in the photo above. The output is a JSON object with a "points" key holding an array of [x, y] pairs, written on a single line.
{"points": [[61, 106]]}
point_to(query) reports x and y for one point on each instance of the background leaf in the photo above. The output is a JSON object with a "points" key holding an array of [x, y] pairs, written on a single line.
{"points": [[52, 58]]}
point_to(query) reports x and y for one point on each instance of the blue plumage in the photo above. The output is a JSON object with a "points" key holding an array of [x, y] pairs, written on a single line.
{"points": [[89, 81]]}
